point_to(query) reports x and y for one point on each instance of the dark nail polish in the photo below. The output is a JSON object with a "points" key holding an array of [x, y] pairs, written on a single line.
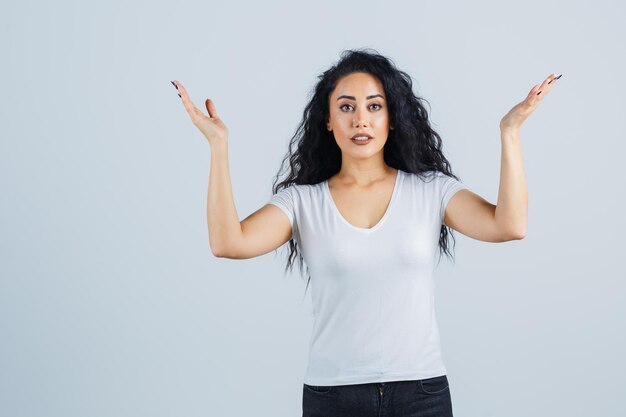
{"points": [[555, 78], [174, 84], [180, 96], [539, 93]]}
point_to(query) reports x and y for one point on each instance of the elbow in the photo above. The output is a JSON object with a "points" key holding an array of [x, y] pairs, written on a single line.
{"points": [[513, 230], [218, 254], [217, 251], [518, 234]]}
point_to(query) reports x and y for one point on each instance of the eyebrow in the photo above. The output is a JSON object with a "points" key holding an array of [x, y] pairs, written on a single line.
{"points": [[367, 98]]}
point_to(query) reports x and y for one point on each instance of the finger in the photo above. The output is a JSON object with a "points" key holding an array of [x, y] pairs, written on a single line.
{"points": [[537, 91], [554, 77], [533, 92], [189, 106], [547, 81], [546, 85], [210, 106]]}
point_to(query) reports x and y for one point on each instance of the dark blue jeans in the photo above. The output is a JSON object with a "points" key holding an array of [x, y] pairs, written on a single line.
{"points": [[417, 398]]}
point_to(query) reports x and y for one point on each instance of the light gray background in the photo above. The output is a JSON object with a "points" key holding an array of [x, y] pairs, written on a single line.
{"points": [[111, 303]]}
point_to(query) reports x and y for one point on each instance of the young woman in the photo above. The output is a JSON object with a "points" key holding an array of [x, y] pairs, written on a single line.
{"points": [[368, 198]]}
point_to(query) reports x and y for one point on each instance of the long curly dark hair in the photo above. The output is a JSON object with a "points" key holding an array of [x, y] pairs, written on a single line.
{"points": [[412, 146]]}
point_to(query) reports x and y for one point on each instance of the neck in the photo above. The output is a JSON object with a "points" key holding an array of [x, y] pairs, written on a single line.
{"points": [[363, 174]]}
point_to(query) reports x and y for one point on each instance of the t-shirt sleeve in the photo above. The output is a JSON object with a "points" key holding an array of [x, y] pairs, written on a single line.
{"points": [[448, 187], [286, 201]]}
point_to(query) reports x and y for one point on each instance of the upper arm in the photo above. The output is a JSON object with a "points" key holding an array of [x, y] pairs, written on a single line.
{"points": [[472, 215], [263, 231], [266, 229]]}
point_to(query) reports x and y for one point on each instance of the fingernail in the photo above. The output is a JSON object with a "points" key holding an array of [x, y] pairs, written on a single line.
{"points": [[539, 93], [174, 84], [180, 96], [555, 78]]}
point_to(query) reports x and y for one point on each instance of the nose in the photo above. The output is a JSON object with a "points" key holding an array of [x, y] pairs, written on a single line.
{"points": [[359, 119]]}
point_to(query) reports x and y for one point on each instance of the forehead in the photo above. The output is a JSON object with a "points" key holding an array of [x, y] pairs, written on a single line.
{"points": [[358, 84]]}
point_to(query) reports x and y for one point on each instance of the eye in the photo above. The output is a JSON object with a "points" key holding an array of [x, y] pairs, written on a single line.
{"points": [[349, 105]]}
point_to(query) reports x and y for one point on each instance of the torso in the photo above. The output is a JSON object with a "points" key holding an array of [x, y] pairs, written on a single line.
{"points": [[363, 207]]}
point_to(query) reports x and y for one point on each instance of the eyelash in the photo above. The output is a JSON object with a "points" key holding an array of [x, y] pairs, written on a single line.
{"points": [[373, 104]]}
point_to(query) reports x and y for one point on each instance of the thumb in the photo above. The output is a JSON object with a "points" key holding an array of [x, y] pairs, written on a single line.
{"points": [[210, 106]]}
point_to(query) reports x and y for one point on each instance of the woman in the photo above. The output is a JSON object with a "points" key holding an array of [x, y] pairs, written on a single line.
{"points": [[368, 199]]}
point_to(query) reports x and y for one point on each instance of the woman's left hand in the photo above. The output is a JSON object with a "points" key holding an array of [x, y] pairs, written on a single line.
{"points": [[518, 114]]}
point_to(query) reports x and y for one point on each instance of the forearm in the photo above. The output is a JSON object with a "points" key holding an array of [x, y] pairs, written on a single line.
{"points": [[512, 207], [222, 218]]}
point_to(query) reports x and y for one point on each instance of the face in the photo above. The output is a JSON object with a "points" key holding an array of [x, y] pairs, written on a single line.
{"points": [[358, 105]]}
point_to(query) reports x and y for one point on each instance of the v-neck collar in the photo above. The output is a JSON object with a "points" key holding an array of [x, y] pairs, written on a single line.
{"points": [[382, 219]]}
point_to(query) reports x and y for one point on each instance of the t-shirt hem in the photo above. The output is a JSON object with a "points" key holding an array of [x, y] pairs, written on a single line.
{"points": [[381, 377]]}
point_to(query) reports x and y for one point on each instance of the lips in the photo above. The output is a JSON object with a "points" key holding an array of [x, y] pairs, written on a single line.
{"points": [[361, 142], [362, 135]]}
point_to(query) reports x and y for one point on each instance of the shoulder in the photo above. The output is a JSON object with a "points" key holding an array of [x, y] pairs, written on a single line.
{"points": [[303, 188], [300, 191], [433, 181], [430, 176]]}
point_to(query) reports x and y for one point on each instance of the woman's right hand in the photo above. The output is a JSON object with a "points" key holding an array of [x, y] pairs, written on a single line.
{"points": [[212, 127]]}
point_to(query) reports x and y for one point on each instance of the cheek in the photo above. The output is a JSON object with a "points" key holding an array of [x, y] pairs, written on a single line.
{"points": [[341, 122], [382, 117]]}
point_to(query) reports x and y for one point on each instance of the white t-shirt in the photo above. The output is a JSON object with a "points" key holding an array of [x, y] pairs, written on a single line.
{"points": [[372, 289]]}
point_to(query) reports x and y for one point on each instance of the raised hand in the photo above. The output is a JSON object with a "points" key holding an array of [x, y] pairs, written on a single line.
{"points": [[518, 114], [211, 126]]}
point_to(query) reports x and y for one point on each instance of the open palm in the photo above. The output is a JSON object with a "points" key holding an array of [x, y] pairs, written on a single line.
{"points": [[518, 114], [211, 126]]}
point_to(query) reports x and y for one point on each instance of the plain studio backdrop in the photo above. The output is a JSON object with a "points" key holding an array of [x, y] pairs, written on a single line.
{"points": [[111, 302]]}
